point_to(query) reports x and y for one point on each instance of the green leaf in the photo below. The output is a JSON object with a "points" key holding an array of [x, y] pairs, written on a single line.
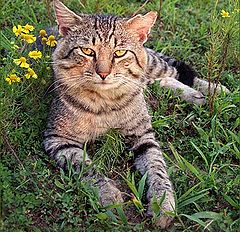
{"points": [[141, 185], [181, 198], [201, 153], [235, 137], [111, 215], [193, 169], [102, 216], [131, 184], [202, 133], [59, 184], [155, 207], [122, 215], [191, 200], [203, 215], [208, 215], [195, 219], [177, 157], [156, 204], [231, 201]]}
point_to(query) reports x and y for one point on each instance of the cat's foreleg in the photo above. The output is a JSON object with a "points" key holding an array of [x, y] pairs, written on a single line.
{"points": [[204, 86], [185, 92], [67, 151], [184, 74], [148, 159]]}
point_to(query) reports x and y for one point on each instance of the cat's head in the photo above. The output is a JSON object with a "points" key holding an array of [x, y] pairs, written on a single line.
{"points": [[101, 52]]}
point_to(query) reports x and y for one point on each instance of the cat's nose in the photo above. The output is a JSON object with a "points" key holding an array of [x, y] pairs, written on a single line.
{"points": [[103, 75]]}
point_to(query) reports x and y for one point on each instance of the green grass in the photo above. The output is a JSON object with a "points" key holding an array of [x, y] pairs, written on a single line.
{"points": [[200, 143]]}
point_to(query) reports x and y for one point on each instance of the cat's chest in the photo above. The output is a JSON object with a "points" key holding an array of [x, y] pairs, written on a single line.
{"points": [[94, 124]]}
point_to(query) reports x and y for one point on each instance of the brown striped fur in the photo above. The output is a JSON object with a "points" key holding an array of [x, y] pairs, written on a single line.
{"points": [[101, 91]]}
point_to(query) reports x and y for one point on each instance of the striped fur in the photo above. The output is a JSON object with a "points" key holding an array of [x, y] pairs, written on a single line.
{"points": [[88, 105]]}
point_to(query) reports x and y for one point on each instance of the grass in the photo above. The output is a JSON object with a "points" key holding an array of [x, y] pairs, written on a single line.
{"points": [[200, 143]]}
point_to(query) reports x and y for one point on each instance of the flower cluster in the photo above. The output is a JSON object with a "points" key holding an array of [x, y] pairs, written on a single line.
{"points": [[23, 32], [26, 59]]}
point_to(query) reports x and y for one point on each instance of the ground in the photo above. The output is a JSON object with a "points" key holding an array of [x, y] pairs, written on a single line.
{"points": [[200, 143]]}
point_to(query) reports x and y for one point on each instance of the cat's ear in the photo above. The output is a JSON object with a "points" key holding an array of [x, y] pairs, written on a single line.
{"points": [[141, 25], [65, 17]]}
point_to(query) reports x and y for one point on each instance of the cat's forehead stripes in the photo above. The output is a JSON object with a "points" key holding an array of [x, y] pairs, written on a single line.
{"points": [[104, 25]]}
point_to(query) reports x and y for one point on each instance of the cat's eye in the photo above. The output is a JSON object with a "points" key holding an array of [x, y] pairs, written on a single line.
{"points": [[88, 51], [119, 53]]}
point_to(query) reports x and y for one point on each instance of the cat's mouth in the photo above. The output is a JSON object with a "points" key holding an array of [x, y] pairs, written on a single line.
{"points": [[104, 83]]}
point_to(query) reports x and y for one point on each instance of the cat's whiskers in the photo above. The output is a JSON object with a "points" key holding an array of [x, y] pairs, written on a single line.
{"points": [[130, 80], [56, 83], [133, 87], [64, 91]]}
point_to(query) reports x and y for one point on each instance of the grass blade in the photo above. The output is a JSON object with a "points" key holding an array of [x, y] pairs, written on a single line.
{"points": [[192, 169], [195, 219], [122, 215], [181, 198], [191, 200], [201, 153], [141, 185]]}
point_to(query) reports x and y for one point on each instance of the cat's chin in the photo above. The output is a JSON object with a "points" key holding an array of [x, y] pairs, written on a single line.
{"points": [[105, 85]]}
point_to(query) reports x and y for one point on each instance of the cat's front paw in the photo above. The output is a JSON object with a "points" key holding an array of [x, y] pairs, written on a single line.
{"points": [[108, 192], [193, 96], [164, 220]]}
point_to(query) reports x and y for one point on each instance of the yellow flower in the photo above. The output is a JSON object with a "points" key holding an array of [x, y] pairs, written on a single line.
{"points": [[35, 54], [31, 73], [43, 33], [51, 41], [17, 30], [28, 38], [44, 40], [225, 14], [27, 28], [12, 78], [22, 62]]}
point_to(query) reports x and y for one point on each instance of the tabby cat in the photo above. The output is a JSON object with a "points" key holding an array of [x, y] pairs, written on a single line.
{"points": [[101, 69]]}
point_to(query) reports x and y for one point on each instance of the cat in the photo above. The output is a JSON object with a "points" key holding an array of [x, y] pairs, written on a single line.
{"points": [[101, 69]]}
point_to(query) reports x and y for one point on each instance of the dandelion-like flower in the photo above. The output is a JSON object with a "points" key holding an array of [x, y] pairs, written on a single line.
{"points": [[225, 14], [17, 30], [43, 33], [51, 41], [28, 38], [44, 40], [31, 73], [22, 62], [35, 54], [12, 78], [27, 28]]}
